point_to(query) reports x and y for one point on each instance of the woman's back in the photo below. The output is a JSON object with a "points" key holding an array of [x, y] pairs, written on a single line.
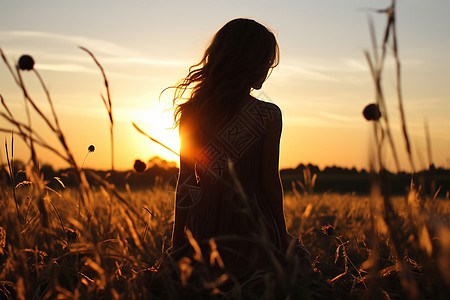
{"points": [[232, 159], [228, 202]]}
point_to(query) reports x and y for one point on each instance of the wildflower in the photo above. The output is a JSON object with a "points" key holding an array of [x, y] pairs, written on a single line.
{"points": [[328, 230], [26, 62], [139, 166], [372, 112], [91, 149]]}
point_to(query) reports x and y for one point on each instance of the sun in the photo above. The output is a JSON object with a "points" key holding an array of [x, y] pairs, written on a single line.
{"points": [[170, 141], [163, 137]]}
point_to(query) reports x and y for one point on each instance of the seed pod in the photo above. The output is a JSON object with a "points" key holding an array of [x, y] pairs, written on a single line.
{"points": [[26, 62], [372, 112], [139, 166], [91, 148]]}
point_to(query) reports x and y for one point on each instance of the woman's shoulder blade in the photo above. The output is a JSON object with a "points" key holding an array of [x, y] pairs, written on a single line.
{"points": [[263, 111], [267, 105]]}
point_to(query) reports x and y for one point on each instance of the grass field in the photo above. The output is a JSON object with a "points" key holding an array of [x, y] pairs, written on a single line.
{"points": [[103, 252], [85, 242]]}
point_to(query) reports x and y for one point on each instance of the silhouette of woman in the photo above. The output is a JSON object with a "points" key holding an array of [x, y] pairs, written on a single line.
{"points": [[229, 199]]}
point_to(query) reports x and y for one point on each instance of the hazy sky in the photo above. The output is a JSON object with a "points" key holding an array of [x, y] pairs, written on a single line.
{"points": [[321, 85]]}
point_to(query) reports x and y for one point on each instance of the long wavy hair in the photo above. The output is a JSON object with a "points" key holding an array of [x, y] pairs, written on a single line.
{"points": [[241, 55]]}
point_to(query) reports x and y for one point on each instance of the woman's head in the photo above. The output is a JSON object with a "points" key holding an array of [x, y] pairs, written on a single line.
{"points": [[238, 59], [242, 52]]}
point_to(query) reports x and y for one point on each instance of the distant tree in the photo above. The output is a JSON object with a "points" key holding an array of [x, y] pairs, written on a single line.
{"points": [[313, 169], [48, 171], [160, 162], [18, 165], [353, 171], [300, 168]]}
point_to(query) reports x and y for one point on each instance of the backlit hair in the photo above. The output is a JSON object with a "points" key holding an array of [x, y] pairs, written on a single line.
{"points": [[240, 55]]}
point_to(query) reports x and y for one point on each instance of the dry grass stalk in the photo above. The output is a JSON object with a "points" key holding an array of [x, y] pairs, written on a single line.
{"points": [[29, 137], [107, 102], [396, 225], [153, 139], [12, 173], [108, 105]]}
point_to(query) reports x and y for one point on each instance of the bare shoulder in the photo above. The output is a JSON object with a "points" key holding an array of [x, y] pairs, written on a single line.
{"points": [[269, 111]]}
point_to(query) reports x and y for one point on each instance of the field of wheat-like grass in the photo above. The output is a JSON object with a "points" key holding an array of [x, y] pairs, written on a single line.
{"points": [[104, 253], [92, 241]]}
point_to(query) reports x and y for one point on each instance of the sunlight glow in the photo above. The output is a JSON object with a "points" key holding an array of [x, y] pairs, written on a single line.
{"points": [[159, 126]]}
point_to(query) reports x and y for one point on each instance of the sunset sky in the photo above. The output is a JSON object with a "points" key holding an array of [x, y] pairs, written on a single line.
{"points": [[321, 85]]}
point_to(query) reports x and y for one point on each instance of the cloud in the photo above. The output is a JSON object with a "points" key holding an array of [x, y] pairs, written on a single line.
{"points": [[65, 67], [306, 121], [337, 117], [52, 49], [321, 119], [97, 45], [146, 61], [327, 70], [307, 72], [354, 65]]}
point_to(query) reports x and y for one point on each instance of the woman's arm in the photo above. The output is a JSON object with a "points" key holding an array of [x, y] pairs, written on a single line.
{"points": [[271, 182], [186, 178], [181, 209]]}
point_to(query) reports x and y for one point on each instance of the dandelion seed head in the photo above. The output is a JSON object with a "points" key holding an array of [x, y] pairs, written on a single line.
{"points": [[26, 62], [91, 148], [372, 112]]}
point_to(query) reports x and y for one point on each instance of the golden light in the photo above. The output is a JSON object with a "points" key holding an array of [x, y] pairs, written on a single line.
{"points": [[158, 126]]}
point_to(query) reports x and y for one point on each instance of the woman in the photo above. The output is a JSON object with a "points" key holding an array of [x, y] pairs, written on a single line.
{"points": [[229, 200]]}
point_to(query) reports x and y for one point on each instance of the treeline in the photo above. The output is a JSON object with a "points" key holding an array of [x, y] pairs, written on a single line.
{"points": [[157, 172], [304, 178]]}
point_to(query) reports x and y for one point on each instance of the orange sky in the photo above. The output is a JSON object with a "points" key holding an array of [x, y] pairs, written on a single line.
{"points": [[321, 85]]}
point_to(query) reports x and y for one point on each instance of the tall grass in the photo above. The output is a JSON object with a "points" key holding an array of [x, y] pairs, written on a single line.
{"points": [[409, 236], [87, 242]]}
